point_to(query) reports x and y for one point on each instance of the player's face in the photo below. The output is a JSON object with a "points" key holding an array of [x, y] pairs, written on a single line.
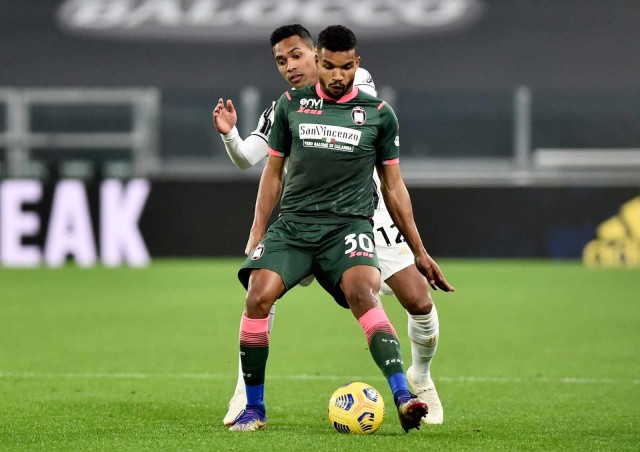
{"points": [[336, 71], [296, 61]]}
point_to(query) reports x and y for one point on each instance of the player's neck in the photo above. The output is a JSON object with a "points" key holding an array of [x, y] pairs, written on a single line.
{"points": [[346, 97]]}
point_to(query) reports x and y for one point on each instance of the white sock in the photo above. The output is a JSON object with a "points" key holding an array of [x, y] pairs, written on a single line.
{"points": [[423, 332], [240, 383], [272, 315]]}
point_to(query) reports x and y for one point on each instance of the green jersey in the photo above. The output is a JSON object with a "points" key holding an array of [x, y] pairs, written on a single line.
{"points": [[332, 147]]}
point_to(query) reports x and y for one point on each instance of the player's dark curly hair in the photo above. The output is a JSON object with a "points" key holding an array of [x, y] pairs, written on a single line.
{"points": [[287, 31], [337, 38]]}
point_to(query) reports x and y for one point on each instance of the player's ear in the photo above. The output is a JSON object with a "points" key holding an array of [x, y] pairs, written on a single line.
{"points": [[358, 62]]}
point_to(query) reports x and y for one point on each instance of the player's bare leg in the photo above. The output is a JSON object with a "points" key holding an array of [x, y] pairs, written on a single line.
{"points": [[361, 285], [412, 290]]}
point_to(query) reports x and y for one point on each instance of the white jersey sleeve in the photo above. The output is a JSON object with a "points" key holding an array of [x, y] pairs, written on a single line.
{"points": [[364, 81], [246, 153]]}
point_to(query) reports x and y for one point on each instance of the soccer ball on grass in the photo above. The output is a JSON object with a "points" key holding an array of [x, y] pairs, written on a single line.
{"points": [[356, 408]]}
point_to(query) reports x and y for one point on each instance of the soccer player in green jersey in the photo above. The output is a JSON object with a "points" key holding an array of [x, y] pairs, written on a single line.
{"points": [[293, 50], [333, 137]]}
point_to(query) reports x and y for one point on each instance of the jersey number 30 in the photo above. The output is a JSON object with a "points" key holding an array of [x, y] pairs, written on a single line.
{"points": [[365, 243]]}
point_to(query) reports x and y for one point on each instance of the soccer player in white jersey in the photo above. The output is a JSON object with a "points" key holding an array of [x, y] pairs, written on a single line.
{"points": [[293, 50]]}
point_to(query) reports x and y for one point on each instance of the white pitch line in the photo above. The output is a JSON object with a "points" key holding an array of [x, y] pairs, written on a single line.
{"points": [[301, 377]]}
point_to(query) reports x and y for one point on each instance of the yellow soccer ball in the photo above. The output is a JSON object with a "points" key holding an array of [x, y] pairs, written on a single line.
{"points": [[356, 408]]}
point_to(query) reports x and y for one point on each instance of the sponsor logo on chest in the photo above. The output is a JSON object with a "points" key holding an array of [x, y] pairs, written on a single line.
{"points": [[310, 106], [310, 133]]}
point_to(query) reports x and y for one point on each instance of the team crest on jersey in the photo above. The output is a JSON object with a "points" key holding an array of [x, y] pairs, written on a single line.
{"points": [[358, 115], [257, 252]]}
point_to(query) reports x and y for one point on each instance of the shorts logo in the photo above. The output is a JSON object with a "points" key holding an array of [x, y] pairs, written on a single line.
{"points": [[358, 115], [360, 254], [257, 252]]}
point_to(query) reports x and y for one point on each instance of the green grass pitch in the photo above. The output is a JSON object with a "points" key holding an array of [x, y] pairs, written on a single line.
{"points": [[533, 355]]}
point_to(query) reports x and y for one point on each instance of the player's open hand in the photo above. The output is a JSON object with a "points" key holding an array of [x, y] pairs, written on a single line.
{"points": [[224, 116], [429, 268]]}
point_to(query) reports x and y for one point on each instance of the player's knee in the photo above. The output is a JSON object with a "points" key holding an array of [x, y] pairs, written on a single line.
{"points": [[259, 302], [354, 296], [420, 304], [415, 300], [361, 294], [360, 286], [412, 291]]}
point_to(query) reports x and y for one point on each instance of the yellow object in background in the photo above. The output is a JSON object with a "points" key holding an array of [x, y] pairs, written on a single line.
{"points": [[630, 213], [617, 242], [612, 229]]}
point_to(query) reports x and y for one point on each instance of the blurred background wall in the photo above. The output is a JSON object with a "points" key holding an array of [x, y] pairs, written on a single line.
{"points": [[520, 119]]}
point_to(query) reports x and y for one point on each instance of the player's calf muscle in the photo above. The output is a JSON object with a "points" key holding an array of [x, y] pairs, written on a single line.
{"points": [[412, 291]]}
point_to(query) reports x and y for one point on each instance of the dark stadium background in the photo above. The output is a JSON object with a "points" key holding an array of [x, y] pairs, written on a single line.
{"points": [[453, 91]]}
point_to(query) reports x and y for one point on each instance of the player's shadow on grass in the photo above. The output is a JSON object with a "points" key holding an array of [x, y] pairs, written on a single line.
{"points": [[322, 428]]}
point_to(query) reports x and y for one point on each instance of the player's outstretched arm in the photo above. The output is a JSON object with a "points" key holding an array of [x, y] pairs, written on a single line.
{"points": [[243, 153], [398, 202], [268, 196]]}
